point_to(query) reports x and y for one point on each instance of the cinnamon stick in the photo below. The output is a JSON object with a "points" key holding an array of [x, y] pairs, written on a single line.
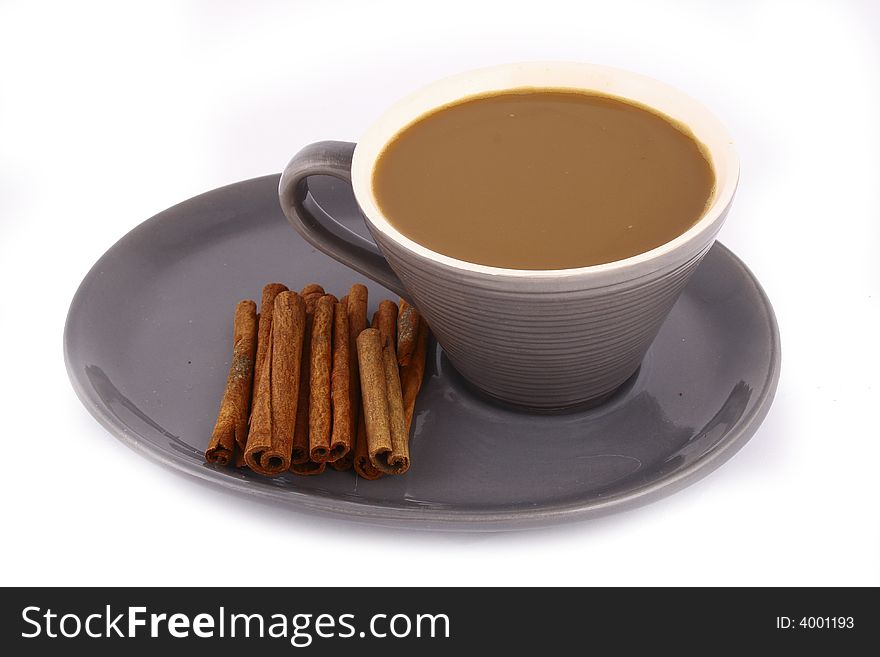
{"points": [[260, 433], [300, 452], [385, 319], [357, 321], [412, 374], [397, 461], [270, 440], [231, 429], [407, 332], [362, 464], [374, 395], [270, 291], [319, 390], [341, 438], [301, 462]]}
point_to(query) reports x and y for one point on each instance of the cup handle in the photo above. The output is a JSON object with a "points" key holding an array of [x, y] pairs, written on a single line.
{"points": [[331, 158]]}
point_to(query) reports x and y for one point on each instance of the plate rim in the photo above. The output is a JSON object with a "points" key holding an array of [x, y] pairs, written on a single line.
{"points": [[445, 519]]}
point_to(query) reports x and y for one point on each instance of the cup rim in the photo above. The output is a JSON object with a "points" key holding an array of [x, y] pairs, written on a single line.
{"points": [[576, 76]]}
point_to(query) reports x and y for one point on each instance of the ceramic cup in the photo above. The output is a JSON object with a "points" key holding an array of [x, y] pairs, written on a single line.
{"points": [[541, 339]]}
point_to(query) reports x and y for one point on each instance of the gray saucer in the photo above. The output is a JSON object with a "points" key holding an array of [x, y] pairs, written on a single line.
{"points": [[147, 344]]}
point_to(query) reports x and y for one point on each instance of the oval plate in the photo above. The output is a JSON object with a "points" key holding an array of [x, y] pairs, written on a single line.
{"points": [[147, 346]]}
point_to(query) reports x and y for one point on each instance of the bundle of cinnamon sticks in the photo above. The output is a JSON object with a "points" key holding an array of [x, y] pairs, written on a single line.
{"points": [[310, 384]]}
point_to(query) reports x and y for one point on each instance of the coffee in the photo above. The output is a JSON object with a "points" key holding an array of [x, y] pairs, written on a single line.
{"points": [[543, 179]]}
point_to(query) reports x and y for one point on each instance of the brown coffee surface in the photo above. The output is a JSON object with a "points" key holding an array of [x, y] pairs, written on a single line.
{"points": [[542, 180]]}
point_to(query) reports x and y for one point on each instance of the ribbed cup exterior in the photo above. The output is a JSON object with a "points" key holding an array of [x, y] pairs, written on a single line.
{"points": [[543, 342]]}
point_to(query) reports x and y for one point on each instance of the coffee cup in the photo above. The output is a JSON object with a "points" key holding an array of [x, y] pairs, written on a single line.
{"points": [[543, 339]]}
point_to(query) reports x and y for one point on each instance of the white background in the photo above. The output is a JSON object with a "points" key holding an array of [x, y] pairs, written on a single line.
{"points": [[112, 112]]}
